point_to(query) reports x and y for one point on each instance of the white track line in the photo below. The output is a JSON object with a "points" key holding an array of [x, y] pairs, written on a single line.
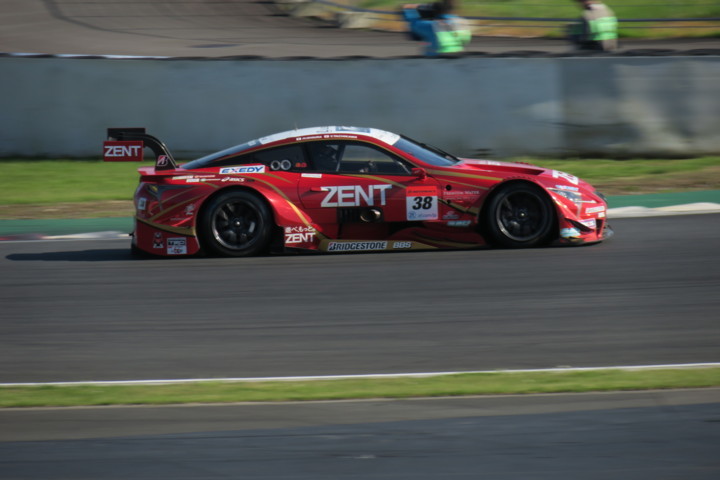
{"points": [[687, 209], [353, 377]]}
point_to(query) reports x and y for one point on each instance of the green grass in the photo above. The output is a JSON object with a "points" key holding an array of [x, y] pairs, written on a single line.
{"points": [[75, 181], [60, 181], [567, 9], [440, 386], [595, 171]]}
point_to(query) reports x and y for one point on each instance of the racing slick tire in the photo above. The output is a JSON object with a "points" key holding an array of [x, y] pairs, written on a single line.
{"points": [[519, 215], [235, 223]]}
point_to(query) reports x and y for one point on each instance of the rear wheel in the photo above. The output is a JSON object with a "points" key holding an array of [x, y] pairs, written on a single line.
{"points": [[236, 223], [519, 216]]}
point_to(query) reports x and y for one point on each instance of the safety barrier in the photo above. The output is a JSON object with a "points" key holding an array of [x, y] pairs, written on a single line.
{"points": [[609, 106]]}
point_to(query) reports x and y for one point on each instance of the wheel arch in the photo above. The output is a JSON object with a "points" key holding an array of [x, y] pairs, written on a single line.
{"points": [[234, 188], [276, 230], [497, 189]]}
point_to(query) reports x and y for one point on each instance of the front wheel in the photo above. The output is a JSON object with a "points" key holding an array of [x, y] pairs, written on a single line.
{"points": [[236, 223], [519, 216]]}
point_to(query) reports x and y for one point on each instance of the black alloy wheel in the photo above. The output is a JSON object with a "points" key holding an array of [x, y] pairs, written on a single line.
{"points": [[520, 215], [236, 223]]}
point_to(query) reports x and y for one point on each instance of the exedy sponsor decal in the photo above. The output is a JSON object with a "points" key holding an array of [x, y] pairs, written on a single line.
{"points": [[354, 195], [243, 169]]}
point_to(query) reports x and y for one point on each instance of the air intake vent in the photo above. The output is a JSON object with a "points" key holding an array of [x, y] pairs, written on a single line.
{"points": [[360, 215]]}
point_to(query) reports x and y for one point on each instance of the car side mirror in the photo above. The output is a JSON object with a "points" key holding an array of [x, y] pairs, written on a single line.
{"points": [[421, 173]]}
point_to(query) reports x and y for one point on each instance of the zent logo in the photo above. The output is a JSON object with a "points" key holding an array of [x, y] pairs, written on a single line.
{"points": [[354, 195], [129, 151], [299, 234]]}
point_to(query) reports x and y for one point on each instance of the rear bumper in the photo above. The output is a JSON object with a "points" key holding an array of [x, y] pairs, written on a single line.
{"points": [[164, 241]]}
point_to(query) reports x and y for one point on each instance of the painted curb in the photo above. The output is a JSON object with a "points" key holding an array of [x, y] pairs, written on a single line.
{"points": [[638, 212], [362, 376]]}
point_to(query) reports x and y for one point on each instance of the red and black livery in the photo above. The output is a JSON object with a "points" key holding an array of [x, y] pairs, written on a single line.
{"points": [[349, 189]]}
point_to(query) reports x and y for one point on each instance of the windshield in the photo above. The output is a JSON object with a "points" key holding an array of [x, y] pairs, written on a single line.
{"points": [[426, 153]]}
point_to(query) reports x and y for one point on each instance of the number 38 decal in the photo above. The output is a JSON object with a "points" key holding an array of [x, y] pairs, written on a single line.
{"points": [[422, 203]]}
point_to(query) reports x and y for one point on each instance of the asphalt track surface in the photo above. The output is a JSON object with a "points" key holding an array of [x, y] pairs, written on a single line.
{"points": [[86, 310], [630, 436], [186, 28]]}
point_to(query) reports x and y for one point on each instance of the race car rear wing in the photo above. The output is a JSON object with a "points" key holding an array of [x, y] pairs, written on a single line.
{"points": [[128, 145]]}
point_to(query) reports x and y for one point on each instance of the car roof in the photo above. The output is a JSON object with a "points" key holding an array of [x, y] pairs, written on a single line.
{"points": [[299, 135], [331, 132]]}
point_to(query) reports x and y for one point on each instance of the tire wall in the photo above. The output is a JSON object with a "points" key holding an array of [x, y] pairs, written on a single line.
{"points": [[610, 106]]}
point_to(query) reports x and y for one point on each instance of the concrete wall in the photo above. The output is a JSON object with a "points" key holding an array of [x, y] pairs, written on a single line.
{"points": [[59, 107]]}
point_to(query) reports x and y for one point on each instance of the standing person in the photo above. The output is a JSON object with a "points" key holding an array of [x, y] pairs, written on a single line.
{"points": [[434, 24], [597, 28]]}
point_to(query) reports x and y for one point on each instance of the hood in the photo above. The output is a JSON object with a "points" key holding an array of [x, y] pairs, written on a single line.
{"points": [[497, 166], [548, 177]]}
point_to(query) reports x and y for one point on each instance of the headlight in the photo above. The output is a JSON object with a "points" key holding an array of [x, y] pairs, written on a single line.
{"points": [[574, 197]]}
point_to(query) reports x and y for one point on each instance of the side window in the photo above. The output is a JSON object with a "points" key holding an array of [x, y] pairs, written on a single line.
{"points": [[286, 158], [325, 156], [365, 159]]}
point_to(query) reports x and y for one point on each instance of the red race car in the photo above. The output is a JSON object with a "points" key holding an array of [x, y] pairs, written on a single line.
{"points": [[349, 189]]}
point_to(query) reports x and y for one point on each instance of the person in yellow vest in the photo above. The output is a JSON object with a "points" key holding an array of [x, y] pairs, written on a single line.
{"points": [[596, 29], [434, 24]]}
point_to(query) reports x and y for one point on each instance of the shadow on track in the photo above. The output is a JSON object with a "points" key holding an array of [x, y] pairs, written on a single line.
{"points": [[101, 255]]}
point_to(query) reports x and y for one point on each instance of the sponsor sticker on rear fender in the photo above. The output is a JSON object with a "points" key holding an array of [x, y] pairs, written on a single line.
{"points": [[243, 169], [177, 246]]}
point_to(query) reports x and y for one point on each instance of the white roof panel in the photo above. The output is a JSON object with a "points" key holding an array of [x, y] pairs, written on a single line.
{"points": [[332, 132]]}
